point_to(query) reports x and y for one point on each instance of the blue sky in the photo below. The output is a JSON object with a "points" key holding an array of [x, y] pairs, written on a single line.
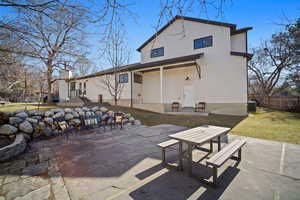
{"points": [[262, 15]]}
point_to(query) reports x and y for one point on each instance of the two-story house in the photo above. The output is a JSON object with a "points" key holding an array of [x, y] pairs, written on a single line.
{"points": [[188, 61]]}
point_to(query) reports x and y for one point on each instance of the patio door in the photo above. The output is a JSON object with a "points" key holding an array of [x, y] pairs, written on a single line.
{"points": [[188, 96]]}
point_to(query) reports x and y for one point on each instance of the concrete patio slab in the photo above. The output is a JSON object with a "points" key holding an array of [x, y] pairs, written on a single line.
{"points": [[126, 165]]}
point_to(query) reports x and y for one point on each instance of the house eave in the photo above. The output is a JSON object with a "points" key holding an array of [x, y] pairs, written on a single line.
{"points": [[244, 54]]}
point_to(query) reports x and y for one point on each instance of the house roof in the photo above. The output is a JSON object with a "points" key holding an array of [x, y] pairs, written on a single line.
{"points": [[241, 30], [247, 55], [136, 66], [204, 21], [108, 71]]}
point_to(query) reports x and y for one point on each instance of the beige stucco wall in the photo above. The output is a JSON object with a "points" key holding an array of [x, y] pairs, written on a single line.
{"points": [[223, 76], [95, 86], [178, 40], [63, 90], [220, 83], [238, 42]]}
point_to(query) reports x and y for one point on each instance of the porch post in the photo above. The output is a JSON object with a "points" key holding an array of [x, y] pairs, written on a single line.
{"points": [[161, 85]]}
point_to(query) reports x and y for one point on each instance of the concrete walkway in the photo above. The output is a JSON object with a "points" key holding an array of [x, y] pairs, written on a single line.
{"points": [[126, 165]]}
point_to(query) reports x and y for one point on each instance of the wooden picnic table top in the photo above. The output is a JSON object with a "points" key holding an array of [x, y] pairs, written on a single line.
{"points": [[200, 135]]}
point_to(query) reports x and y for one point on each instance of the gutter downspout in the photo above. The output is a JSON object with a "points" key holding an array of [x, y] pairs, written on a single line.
{"points": [[131, 92]]}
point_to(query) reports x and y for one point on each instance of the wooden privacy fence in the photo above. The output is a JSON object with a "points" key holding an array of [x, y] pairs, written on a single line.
{"points": [[281, 102]]}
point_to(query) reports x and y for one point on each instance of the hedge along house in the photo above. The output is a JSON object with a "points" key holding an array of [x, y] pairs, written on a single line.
{"points": [[188, 61]]}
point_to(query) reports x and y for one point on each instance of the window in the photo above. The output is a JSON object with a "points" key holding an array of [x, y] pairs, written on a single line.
{"points": [[73, 86], [157, 52], [203, 42], [84, 88], [123, 78], [80, 88], [138, 78]]}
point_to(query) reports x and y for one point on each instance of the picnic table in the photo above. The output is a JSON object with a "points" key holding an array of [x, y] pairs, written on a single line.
{"points": [[195, 137]]}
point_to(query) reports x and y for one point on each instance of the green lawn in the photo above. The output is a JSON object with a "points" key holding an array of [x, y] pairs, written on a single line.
{"points": [[265, 123], [271, 125], [28, 106]]}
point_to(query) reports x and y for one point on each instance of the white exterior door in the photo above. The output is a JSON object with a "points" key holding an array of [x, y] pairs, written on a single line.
{"points": [[188, 96]]}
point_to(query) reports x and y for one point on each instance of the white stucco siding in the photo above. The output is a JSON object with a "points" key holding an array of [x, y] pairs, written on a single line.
{"points": [[95, 86], [151, 87], [62, 90], [220, 82], [178, 40], [238, 42]]}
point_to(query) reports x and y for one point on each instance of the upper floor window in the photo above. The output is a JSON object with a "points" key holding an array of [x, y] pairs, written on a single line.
{"points": [[203, 42], [157, 52], [123, 78]]}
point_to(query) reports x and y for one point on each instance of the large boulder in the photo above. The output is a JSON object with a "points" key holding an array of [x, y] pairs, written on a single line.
{"points": [[85, 109], [4, 117], [131, 120], [22, 115], [81, 113], [59, 114], [88, 114], [68, 116], [98, 113], [48, 120], [15, 120], [68, 110], [95, 108], [103, 109], [14, 149], [127, 115], [42, 125], [74, 122], [104, 117], [57, 110], [110, 113], [78, 109], [47, 131], [37, 117], [26, 127], [8, 129], [137, 122], [49, 113], [31, 120], [75, 114], [38, 113]]}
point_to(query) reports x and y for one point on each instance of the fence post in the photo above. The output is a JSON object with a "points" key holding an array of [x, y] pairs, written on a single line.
{"points": [[280, 103]]}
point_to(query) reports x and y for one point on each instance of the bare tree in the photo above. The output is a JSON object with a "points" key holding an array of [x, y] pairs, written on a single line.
{"points": [[54, 40], [83, 66], [269, 63], [117, 55]]}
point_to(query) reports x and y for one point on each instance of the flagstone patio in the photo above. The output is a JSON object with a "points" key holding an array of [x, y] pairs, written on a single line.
{"points": [[126, 165]]}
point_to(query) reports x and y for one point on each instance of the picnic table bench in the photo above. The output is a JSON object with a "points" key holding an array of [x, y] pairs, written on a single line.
{"points": [[226, 153], [198, 136]]}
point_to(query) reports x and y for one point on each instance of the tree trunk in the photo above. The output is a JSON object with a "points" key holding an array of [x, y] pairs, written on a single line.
{"points": [[116, 91], [49, 81]]}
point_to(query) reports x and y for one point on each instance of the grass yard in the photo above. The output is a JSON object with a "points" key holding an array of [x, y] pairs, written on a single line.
{"points": [[28, 106], [265, 123], [271, 125]]}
